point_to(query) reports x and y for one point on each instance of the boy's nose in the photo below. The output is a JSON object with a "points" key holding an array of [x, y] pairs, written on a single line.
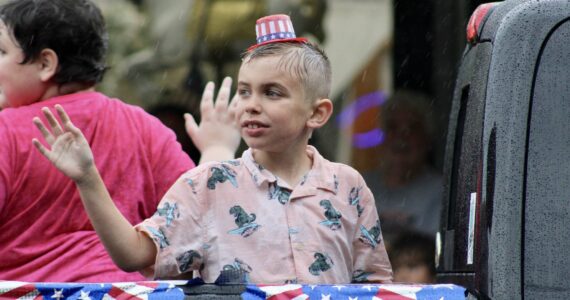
{"points": [[252, 105]]}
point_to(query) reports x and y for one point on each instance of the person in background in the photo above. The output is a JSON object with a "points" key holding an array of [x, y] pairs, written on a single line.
{"points": [[412, 255], [53, 52], [406, 187], [279, 214]]}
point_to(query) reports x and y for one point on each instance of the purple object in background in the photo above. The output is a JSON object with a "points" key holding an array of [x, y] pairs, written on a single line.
{"points": [[349, 114]]}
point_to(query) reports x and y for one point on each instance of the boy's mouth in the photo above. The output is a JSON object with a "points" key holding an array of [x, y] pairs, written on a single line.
{"points": [[253, 129], [253, 124]]}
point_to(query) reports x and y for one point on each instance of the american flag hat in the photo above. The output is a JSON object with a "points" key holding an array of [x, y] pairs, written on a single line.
{"points": [[275, 29]]}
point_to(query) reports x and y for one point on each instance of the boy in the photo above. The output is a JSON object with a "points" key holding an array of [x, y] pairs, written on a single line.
{"points": [[52, 51], [280, 214]]}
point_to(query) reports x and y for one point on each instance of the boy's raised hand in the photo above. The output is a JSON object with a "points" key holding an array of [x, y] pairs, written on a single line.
{"points": [[69, 150], [217, 137]]}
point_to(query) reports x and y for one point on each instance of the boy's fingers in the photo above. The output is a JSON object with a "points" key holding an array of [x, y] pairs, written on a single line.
{"points": [[191, 126], [41, 127], [74, 130], [234, 102], [62, 115], [67, 121], [232, 107], [223, 94], [43, 150], [207, 98], [54, 124]]}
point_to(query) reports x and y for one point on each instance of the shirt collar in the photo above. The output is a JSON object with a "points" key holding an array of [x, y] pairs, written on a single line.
{"points": [[258, 173], [321, 176]]}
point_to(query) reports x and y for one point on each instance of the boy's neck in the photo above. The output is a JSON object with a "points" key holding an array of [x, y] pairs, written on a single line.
{"points": [[56, 90], [290, 165], [75, 87]]}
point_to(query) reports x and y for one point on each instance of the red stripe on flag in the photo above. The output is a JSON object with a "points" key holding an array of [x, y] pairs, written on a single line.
{"points": [[389, 295], [288, 295], [19, 291], [120, 294], [149, 284]]}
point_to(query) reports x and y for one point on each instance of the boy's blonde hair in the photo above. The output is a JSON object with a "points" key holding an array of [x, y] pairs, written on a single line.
{"points": [[304, 61]]}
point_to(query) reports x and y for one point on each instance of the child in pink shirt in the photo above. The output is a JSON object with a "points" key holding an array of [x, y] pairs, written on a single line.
{"points": [[279, 214]]}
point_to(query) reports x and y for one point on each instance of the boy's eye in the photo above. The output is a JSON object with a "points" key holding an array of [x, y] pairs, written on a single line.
{"points": [[243, 92], [273, 93]]}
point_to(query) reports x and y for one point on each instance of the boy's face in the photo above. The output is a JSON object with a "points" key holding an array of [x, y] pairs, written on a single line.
{"points": [[19, 83], [271, 111]]}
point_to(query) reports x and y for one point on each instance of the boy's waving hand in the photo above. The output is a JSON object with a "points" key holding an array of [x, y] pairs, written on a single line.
{"points": [[217, 136], [69, 150]]}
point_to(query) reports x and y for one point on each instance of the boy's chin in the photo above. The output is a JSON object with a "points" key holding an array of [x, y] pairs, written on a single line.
{"points": [[252, 143], [258, 147], [255, 147]]}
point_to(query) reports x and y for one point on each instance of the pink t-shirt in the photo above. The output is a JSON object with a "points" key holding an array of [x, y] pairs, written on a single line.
{"points": [[44, 231], [235, 215]]}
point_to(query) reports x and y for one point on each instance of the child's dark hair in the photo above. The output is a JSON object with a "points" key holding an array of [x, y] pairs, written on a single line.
{"points": [[73, 29], [412, 248], [305, 61]]}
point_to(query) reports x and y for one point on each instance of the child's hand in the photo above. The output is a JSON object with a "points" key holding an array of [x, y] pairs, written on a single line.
{"points": [[70, 152], [217, 137]]}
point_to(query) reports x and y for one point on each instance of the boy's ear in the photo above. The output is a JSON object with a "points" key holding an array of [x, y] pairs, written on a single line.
{"points": [[48, 63], [322, 110]]}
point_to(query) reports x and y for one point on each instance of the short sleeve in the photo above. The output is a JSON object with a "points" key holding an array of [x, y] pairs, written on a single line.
{"points": [[371, 263], [177, 229]]}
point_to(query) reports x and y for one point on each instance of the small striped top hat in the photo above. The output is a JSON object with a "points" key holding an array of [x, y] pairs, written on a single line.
{"points": [[275, 29]]}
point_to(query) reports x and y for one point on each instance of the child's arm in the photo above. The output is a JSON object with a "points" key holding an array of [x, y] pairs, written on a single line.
{"points": [[71, 154], [371, 260], [217, 137]]}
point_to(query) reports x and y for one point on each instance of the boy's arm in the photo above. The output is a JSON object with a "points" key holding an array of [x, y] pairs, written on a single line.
{"points": [[217, 137], [371, 260], [71, 154]]}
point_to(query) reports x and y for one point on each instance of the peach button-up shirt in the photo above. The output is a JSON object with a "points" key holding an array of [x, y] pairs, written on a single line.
{"points": [[237, 216]]}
